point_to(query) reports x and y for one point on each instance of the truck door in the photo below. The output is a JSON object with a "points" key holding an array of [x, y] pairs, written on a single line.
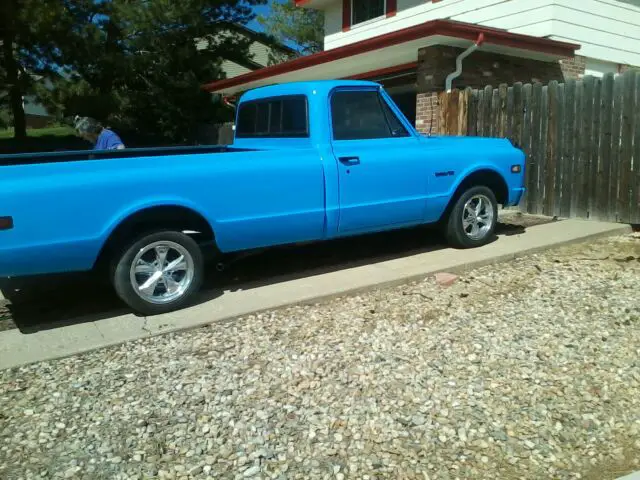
{"points": [[382, 169]]}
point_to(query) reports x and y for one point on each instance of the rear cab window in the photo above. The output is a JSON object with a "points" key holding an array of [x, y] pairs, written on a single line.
{"points": [[363, 115], [274, 117]]}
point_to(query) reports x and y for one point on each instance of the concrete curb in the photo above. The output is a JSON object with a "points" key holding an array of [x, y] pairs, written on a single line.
{"points": [[459, 269], [17, 349], [631, 476]]}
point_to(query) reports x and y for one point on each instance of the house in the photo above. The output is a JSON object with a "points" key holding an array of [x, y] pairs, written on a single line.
{"points": [[411, 46], [263, 49]]}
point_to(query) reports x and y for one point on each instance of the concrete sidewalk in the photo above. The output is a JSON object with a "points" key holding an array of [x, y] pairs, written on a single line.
{"points": [[631, 476], [18, 349]]}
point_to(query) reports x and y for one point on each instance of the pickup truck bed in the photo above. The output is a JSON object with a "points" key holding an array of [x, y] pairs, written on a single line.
{"points": [[310, 162]]}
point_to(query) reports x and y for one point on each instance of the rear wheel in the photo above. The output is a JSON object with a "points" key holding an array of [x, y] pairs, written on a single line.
{"points": [[473, 219], [159, 272]]}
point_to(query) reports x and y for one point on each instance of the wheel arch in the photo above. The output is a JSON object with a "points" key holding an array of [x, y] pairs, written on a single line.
{"points": [[148, 218], [485, 177]]}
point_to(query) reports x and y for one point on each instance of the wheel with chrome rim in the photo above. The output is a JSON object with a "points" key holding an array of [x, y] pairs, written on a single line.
{"points": [[477, 217], [159, 272], [472, 220]]}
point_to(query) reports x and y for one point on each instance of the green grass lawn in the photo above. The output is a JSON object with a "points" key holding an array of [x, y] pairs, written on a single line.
{"points": [[42, 140], [62, 131]]}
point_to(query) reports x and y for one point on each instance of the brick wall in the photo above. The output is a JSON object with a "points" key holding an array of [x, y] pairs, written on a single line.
{"points": [[626, 68], [427, 112], [479, 70], [573, 67]]}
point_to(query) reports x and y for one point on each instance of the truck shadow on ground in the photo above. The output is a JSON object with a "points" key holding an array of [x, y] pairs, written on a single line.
{"points": [[68, 301]]}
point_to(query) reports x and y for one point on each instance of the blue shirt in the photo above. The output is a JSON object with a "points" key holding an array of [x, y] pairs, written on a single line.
{"points": [[108, 140]]}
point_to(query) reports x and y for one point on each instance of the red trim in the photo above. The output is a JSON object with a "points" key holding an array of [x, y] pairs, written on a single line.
{"points": [[300, 3], [346, 15], [392, 8], [383, 71], [447, 28]]}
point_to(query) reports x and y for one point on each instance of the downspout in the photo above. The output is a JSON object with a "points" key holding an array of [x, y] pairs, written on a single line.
{"points": [[452, 76], [228, 102]]}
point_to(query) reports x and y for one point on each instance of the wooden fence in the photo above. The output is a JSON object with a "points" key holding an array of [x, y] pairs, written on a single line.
{"points": [[581, 138]]}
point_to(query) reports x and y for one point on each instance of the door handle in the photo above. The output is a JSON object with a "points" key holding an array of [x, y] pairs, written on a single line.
{"points": [[349, 160]]}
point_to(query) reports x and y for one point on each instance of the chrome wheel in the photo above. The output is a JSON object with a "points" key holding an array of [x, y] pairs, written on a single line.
{"points": [[162, 272], [477, 217]]}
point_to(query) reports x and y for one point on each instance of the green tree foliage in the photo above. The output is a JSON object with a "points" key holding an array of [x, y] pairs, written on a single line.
{"points": [[31, 33], [138, 65], [301, 27], [142, 68]]}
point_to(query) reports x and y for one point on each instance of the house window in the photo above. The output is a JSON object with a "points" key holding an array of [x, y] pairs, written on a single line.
{"points": [[360, 11], [364, 10], [278, 117]]}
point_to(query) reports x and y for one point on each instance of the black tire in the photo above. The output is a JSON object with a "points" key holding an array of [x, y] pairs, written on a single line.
{"points": [[122, 263], [454, 230]]}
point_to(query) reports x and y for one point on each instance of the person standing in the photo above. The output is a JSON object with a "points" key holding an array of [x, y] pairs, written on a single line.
{"points": [[102, 138]]}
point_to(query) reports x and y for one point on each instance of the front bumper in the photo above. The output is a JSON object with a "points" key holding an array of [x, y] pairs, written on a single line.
{"points": [[515, 195]]}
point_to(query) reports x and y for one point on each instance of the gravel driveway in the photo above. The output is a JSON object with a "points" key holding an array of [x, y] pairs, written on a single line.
{"points": [[528, 369]]}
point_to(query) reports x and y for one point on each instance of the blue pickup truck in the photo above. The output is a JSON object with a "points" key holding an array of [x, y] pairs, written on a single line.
{"points": [[310, 161]]}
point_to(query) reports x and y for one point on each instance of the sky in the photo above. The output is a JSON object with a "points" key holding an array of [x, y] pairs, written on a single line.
{"points": [[264, 10], [259, 10]]}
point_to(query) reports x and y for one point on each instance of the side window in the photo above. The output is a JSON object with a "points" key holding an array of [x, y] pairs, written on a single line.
{"points": [[278, 117], [397, 129], [361, 115]]}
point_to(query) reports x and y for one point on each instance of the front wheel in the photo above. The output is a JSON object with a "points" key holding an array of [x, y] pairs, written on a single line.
{"points": [[473, 218], [159, 272]]}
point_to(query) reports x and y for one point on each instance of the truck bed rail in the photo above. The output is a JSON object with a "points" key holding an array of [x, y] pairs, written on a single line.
{"points": [[85, 155]]}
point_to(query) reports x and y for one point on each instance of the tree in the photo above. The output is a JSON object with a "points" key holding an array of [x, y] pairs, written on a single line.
{"points": [[300, 27], [137, 65], [30, 32]]}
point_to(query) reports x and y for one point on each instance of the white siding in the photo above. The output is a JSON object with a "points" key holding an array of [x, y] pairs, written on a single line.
{"points": [[333, 25], [232, 69], [598, 68], [607, 30], [495, 13], [259, 53]]}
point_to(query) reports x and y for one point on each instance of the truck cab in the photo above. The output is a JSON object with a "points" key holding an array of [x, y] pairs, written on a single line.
{"points": [[379, 171]]}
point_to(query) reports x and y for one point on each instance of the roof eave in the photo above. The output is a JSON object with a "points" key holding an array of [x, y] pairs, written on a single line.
{"points": [[444, 28]]}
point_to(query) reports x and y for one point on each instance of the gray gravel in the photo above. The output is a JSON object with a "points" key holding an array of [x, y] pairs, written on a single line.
{"points": [[528, 369]]}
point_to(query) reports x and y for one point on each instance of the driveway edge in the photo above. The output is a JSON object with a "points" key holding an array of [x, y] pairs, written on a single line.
{"points": [[17, 349]]}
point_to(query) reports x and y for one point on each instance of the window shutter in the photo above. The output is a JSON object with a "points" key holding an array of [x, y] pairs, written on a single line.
{"points": [[346, 15]]}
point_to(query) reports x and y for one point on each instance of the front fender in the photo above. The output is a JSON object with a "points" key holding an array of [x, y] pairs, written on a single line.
{"points": [[474, 170]]}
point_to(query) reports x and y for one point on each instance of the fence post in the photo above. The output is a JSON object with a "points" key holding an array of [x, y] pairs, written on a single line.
{"points": [[635, 182], [559, 153], [551, 153], [615, 149], [604, 165], [534, 165], [569, 161], [626, 148], [526, 142]]}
